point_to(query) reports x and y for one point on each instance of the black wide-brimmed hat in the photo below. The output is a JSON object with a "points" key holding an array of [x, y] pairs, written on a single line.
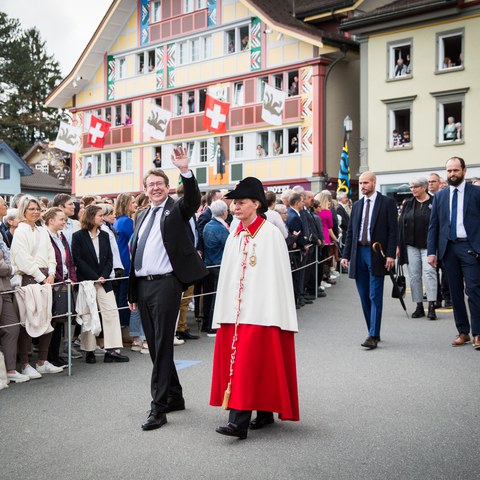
{"points": [[249, 187]]}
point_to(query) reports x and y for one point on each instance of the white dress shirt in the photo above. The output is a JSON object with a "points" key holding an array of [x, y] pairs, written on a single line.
{"points": [[461, 232], [372, 204]]}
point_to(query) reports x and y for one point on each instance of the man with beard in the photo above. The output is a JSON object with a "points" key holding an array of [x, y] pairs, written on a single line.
{"points": [[454, 238]]}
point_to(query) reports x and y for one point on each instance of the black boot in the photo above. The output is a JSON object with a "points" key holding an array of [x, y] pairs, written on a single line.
{"points": [[431, 311], [419, 312]]}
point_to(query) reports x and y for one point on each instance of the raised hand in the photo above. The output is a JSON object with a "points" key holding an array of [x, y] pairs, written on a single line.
{"points": [[180, 159]]}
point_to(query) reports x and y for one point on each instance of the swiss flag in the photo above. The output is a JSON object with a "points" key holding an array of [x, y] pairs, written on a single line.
{"points": [[97, 132], [215, 115]]}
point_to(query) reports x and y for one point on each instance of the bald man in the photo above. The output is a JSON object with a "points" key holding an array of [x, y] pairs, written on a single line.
{"points": [[373, 219]]}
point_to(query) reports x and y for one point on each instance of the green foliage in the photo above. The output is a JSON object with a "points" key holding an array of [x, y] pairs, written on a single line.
{"points": [[27, 75]]}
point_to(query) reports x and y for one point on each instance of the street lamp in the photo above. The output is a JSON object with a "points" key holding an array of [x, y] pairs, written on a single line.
{"points": [[348, 125]]}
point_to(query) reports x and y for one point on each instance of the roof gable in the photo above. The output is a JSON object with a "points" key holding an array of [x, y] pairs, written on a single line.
{"points": [[15, 159]]}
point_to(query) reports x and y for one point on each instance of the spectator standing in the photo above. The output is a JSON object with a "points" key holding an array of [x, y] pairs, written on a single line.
{"points": [[125, 207], [412, 247], [65, 203], [93, 258], [373, 219], [273, 216], [215, 235], [11, 221], [33, 258], [453, 232]]}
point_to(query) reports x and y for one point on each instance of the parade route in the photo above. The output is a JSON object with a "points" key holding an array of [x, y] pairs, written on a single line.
{"points": [[407, 410]]}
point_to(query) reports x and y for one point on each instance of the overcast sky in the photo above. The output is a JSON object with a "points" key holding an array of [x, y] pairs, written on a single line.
{"points": [[65, 25]]}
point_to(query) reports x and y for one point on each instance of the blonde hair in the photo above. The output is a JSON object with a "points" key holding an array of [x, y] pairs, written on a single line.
{"points": [[24, 203]]}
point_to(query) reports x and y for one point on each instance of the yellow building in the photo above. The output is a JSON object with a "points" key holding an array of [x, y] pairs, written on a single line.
{"points": [[172, 53], [419, 71]]}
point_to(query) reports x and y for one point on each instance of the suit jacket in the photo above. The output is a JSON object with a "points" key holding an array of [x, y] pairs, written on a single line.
{"points": [[85, 258], [203, 219], [176, 234], [383, 229], [439, 226], [295, 224]]}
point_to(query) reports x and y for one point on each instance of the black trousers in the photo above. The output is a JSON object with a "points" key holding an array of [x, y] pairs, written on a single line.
{"points": [[210, 283], [159, 303], [241, 418]]}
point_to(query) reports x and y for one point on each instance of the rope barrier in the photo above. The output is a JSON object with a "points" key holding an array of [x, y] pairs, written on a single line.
{"points": [[73, 315]]}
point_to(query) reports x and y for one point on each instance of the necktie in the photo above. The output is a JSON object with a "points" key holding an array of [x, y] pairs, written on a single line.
{"points": [[143, 240], [364, 239], [453, 216]]}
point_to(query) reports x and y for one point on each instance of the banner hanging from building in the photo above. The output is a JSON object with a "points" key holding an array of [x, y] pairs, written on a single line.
{"points": [[157, 122], [273, 104], [69, 138], [344, 172]]}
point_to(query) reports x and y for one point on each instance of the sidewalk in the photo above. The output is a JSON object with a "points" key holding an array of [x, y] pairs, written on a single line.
{"points": [[407, 410]]}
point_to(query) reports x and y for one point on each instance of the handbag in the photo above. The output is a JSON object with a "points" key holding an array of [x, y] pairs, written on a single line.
{"points": [[401, 283]]}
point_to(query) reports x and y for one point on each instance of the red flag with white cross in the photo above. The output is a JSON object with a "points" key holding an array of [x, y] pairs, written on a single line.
{"points": [[97, 132], [215, 115]]}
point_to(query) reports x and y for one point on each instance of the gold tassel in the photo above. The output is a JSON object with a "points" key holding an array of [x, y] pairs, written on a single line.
{"points": [[226, 396]]}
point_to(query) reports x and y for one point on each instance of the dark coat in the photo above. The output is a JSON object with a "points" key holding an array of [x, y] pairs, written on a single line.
{"points": [[383, 229], [176, 234], [345, 219], [439, 226], [295, 224], [85, 258]]}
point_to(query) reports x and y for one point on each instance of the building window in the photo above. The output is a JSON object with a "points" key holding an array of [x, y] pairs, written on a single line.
{"points": [[151, 60], [237, 39], [178, 104], [238, 146], [293, 83], [188, 5], [399, 59], [195, 49], [450, 116], [399, 122], [238, 94], [207, 47], [191, 101], [262, 145], [128, 114], [128, 161], [450, 47], [278, 81], [121, 68], [202, 95], [98, 162], [108, 163], [293, 140], [203, 146], [117, 158], [140, 63], [4, 171], [158, 101], [277, 143], [199, 4], [155, 11], [261, 82]]}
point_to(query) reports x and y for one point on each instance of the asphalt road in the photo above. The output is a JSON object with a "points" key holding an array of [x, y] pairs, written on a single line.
{"points": [[408, 410]]}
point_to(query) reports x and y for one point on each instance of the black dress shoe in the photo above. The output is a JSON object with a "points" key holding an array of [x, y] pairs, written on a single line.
{"points": [[370, 343], [90, 357], [309, 297], [175, 405], [186, 335], [58, 362], [306, 301], [232, 430], [113, 356], [154, 420], [260, 422], [448, 304]]}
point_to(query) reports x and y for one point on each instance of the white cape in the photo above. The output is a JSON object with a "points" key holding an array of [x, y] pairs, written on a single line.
{"points": [[267, 297]]}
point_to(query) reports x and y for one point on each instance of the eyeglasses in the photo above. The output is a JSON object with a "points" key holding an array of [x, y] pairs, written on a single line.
{"points": [[155, 184], [33, 209]]}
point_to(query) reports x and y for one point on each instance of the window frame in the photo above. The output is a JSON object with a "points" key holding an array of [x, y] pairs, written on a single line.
{"points": [[121, 68], [238, 146], [448, 97], [440, 50], [391, 61], [393, 105], [155, 18]]}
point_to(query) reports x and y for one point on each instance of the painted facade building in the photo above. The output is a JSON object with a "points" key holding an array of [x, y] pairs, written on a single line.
{"points": [[172, 53], [419, 71]]}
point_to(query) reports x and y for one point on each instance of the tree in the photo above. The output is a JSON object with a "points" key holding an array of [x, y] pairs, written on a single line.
{"points": [[28, 74]]}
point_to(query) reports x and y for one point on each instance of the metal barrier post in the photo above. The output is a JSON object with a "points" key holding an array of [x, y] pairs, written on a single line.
{"points": [[69, 328], [316, 271]]}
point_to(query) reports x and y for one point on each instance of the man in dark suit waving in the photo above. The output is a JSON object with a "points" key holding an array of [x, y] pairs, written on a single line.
{"points": [[454, 238], [164, 262], [373, 219]]}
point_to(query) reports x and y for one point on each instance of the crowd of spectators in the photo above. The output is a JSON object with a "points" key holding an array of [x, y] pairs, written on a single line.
{"points": [[87, 243]]}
